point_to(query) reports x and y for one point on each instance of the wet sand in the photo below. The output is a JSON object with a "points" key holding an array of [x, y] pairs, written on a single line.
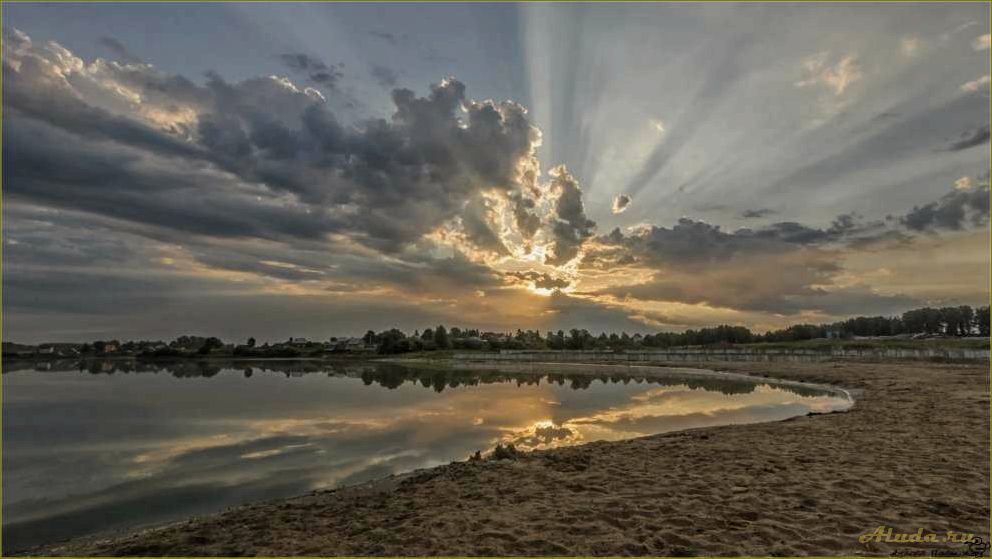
{"points": [[912, 453]]}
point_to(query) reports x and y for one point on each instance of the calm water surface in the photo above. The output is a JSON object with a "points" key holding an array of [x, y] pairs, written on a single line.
{"points": [[94, 447]]}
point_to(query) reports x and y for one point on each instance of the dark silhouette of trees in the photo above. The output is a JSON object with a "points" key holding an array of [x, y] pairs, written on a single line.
{"points": [[982, 321], [370, 337], [209, 345], [441, 338], [956, 321]]}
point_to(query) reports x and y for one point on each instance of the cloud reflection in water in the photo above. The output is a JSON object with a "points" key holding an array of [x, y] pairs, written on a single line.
{"points": [[103, 446]]}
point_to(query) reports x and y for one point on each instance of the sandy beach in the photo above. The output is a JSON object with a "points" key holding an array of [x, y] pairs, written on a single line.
{"points": [[912, 454]]}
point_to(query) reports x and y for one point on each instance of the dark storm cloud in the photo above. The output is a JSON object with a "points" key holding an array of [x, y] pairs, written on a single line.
{"points": [[971, 139], [954, 211], [385, 77], [119, 50], [757, 213]]}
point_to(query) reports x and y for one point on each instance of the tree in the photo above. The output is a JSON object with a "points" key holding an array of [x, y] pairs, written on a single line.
{"points": [[251, 342], [967, 315], [428, 335], [369, 337], [393, 341], [209, 345], [441, 338], [982, 320]]}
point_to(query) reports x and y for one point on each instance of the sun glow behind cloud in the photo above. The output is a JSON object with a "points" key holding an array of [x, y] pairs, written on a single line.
{"points": [[651, 125]]}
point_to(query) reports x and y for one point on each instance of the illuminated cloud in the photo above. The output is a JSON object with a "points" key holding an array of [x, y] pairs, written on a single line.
{"points": [[540, 280], [836, 77], [981, 42], [620, 203], [909, 46], [975, 85], [571, 227]]}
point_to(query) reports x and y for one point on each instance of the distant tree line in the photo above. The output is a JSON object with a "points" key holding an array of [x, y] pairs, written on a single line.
{"points": [[956, 321], [947, 321], [959, 321]]}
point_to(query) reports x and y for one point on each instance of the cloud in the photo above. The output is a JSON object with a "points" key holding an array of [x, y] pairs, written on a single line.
{"points": [[527, 222], [385, 77], [264, 189], [964, 205], [256, 189], [620, 203], [836, 77], [278, 162], [757, 213], [982, 42], [541, 280], [963, 183], [971, 138], [316, 70], [783, 268], [975, 85], [119, 50], [571, 227]]}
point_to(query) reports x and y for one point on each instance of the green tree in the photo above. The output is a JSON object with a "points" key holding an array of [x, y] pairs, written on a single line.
{"points": [[441, 338]]}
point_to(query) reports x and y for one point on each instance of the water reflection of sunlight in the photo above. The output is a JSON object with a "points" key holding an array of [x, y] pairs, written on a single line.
{"points": [[229, 439], [664, 409], [538, 417]]}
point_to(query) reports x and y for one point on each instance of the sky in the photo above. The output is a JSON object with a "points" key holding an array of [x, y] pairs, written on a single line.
{"points": [[316, 170]]}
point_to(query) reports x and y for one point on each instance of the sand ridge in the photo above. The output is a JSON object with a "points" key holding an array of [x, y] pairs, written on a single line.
{"points": [[912, 453]]}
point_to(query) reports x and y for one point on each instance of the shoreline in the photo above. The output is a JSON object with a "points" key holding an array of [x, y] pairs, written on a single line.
{"points": [[491, 490]]}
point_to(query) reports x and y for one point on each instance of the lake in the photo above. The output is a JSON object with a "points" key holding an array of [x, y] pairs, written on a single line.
{"points": [[99, 446]]}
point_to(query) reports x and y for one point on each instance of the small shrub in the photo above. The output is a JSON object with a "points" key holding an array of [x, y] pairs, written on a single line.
{"points": [[508, 452]]}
